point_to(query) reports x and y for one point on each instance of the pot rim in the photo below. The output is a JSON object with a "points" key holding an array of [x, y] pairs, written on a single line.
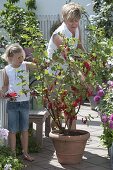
{"points": [[83, 136]]}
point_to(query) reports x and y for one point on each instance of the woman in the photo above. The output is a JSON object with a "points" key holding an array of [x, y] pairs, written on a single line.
{"points": [[71, 14]]}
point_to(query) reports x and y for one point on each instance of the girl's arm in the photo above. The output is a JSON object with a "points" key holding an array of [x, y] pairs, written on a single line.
{"points": [[5, 84], [31, 66], [34, 67]]}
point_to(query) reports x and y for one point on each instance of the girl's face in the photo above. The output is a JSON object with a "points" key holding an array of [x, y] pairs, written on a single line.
{"points": [[72, 25], [16, 60]]}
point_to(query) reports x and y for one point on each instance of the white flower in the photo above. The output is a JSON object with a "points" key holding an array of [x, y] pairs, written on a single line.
{"points": [[8, 167], [3, 133]]}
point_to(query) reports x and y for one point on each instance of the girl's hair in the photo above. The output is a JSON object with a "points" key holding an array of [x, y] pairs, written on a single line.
{"points": [[71, 11], [11, 50]]}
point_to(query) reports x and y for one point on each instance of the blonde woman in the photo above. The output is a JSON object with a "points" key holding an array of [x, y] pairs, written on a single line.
{"points": [[71, 14]]}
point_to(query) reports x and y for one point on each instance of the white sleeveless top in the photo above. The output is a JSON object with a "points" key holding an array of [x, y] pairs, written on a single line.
{"points": [[15, 81], [65, 31]]}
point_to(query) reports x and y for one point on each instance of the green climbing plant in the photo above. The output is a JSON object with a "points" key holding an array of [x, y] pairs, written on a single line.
{"points": [[104, 16]]}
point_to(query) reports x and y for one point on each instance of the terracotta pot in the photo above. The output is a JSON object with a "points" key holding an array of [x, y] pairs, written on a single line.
{"points": [[69, 149]]}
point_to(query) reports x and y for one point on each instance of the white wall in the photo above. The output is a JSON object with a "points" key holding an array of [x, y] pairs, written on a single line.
{"points": [[53, 7]]}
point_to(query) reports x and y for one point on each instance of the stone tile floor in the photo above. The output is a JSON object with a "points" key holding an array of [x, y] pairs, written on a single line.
{"points": [[95, 155]]}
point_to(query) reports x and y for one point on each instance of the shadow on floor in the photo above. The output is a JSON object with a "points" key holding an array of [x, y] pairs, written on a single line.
{"points": [[46, 159]]}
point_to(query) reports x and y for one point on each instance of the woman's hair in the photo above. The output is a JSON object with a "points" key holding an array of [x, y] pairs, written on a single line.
{"points": [[11, 50], [71, 11]]}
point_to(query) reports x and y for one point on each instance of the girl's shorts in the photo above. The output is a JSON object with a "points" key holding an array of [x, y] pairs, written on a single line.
{"points": [[18, 116]]}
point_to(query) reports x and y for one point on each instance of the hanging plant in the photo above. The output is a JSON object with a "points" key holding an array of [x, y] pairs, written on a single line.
{"points": [[31, 4], [13, 1], [104, 16]]}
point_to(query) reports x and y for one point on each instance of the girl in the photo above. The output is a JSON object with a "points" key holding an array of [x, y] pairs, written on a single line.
{"points": [[16, 84]]}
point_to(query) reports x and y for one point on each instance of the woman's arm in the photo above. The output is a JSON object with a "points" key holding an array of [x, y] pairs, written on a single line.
{"points": [[58, 40], [80, 45]]}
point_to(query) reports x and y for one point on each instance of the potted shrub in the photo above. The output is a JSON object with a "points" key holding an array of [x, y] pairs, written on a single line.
{"points": [[65, 89], [66, 83]]}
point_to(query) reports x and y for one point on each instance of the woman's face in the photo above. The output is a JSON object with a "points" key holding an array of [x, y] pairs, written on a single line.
{"points": [[72, 25]]}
